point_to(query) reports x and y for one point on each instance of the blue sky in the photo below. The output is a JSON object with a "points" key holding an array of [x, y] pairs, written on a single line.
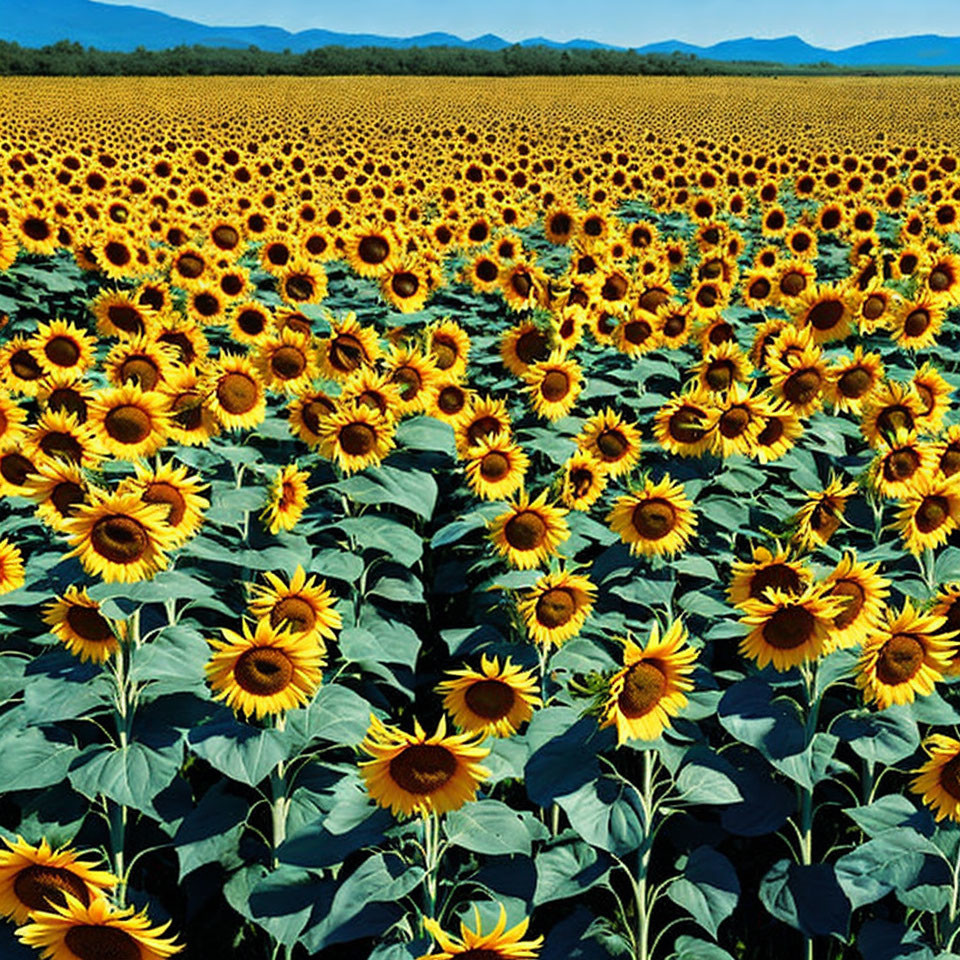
{"points": [[826, 23]]}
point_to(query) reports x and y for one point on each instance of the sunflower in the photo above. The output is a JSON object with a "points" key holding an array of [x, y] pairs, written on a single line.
{"points": [[286, 499], [494, 701], [190, 420], [800, 380], [64, 392], [11, 567], [529, 531], [850, 382], [865, 592], [349, 347], [900, 463], [524, 344], [62, 346], [721, 366], [937, 781], [793, 277], [929, 512], [556, 607], [498, 944], [483, 273], [306, 415], [75, 619], [612, 441], [655, 521], [787, 629], [58, 436], [369, 250], [582, 482], [236, 395], [177, 490], [250, 322], [757, 288], [37, 234], [451, 404], [57, 486], [495, 467], [940, 279], [523, 286], [264, 671], [782, 428], [484, 418], [652, 686], [15, 471], [369, 388], [673, 325], [355, 437], [12, 417], [820, 517], [128, 422], [286, 362], [934, 393], [414, 773], [554, 385], [119, 314], [905, 657], [416, 376], [449, 346], [750, 580], [20, 370], [37, 878], [408, 283], [873, 306], [825, 310], [948, 451], [785, 343], [892, 406], [186, 342], [915, 323], [119, 537], [735, 420], [681, 424], [9, 248], [304, 606]]}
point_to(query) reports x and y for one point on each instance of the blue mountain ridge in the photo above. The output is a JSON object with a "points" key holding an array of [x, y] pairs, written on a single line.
{"points": [[35, 23]]}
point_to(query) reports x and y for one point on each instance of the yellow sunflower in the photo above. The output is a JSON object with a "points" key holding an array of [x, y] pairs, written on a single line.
{"points": [[119, 537], [721, 366], [499, 944], [355, 437], [142, 361], [303, 605], [820, 517], [414, 773], [529, 531], [11, 567], [657, 520], [37, 878], [524, 344], [915, 324], [681, 424], [236, 395], [553, 385], [937, 781], [905, 657], [286, 362], [736, 419], [929, 512], [306, 415], [349, 347], [787, 629], [851, 382], [750, 580], [59, 345], [416, 377], [484, 418], [494, 701], [265, 671], [799, 380], [57, 486], [119, 313], [899, 463], [20, 371], [890, 407], [128, 422], [826, 310], [556, 607], [582, 482], [652, 686], [864, 591], [495, 467], [58, 437], [75, 619], [449, 346], [190, 418], [174, 488], [286, 499], [612, 441], [934, 393], [782, 428]]}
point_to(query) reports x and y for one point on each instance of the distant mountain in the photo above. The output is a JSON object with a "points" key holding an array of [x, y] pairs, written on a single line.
{"points": [[37, 23]]}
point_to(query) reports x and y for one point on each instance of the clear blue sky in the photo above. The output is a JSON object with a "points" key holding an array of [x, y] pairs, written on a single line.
{"points": [[825, 23]]}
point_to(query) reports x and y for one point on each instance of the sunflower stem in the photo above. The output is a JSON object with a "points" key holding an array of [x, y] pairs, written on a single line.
{"points": [[123, 718], [929, 567], [645, 908], [280, 804], [431, 863]]}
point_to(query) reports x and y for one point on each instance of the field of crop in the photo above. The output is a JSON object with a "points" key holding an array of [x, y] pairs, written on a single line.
{"points": [[479, 519]]}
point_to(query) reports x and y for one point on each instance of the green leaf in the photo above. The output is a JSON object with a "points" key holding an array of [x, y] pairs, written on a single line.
{"points": [[426, 433], [493, 828], [892, 810], [808, 898], [568, 867], [211, 832], [708, 890], [242, 753], [414, 490], [707, 778], [176, 655], [399, 589], [31, 761], [693, 948], [336, 715], [282, 901], [381, 533], [886, 737], [607, 813], [131, 775], [812, 765]]}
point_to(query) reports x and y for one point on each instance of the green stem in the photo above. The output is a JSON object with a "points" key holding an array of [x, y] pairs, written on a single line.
{"points": [[929, 567], [431, 862], [645, 908], [279, 802]]}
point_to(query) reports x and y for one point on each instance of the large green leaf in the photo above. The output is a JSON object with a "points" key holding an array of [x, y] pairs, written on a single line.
{"points": [[493, 828], [708, 890]]}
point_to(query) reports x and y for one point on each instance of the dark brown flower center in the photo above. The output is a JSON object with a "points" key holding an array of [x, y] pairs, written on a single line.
{"points": [[166, 493], [38, 886], [444, 352], [654, 519], [64, 445], [373, 250], [494, 466], [789, 627], [88, 624], [128, 424], [555, 386], [298, 614], [899, 660], [793, 283], [119, 539], [900, 465], [237, 393], [643, 687], [423, 768], [802, 386], [873, 307], [527, 530], [313, 410], [409, 380], [483, 428], [299, 287], [24, 365], [405, 284], [939, 280], [15, 468], [581, 480], [771, 433], [89, 942], [65, 495], [684, 427], [346, 353], [826, 314], [613, 445], [287, 363], [357, 439], [893, 418], [62, 351], [531, 346], [719, 374], [734, 421], [950, 777], [855, 383], [451, 400], [779, 575], [950, 461], [760, 289], [125, 317], [932, 513], [556, 607], [263, 671], [856, 598], [916, 323], [490, 699]]}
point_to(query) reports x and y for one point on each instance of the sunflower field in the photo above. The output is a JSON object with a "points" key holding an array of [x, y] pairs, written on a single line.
{"points": [[479, 519]]}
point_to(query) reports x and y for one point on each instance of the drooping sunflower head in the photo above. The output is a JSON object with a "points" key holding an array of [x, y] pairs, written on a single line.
{"points": [[820, 517], [781, 430], [938, 780], [904, 658], [494, 700], [529, 531], [286, 499], [654, 521], [864, 591], [557, 606], [75, 619], [265, 670], [38, 877], [788, 629], [583, 480], [177, 490], [414, 773], [652, 686]]}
